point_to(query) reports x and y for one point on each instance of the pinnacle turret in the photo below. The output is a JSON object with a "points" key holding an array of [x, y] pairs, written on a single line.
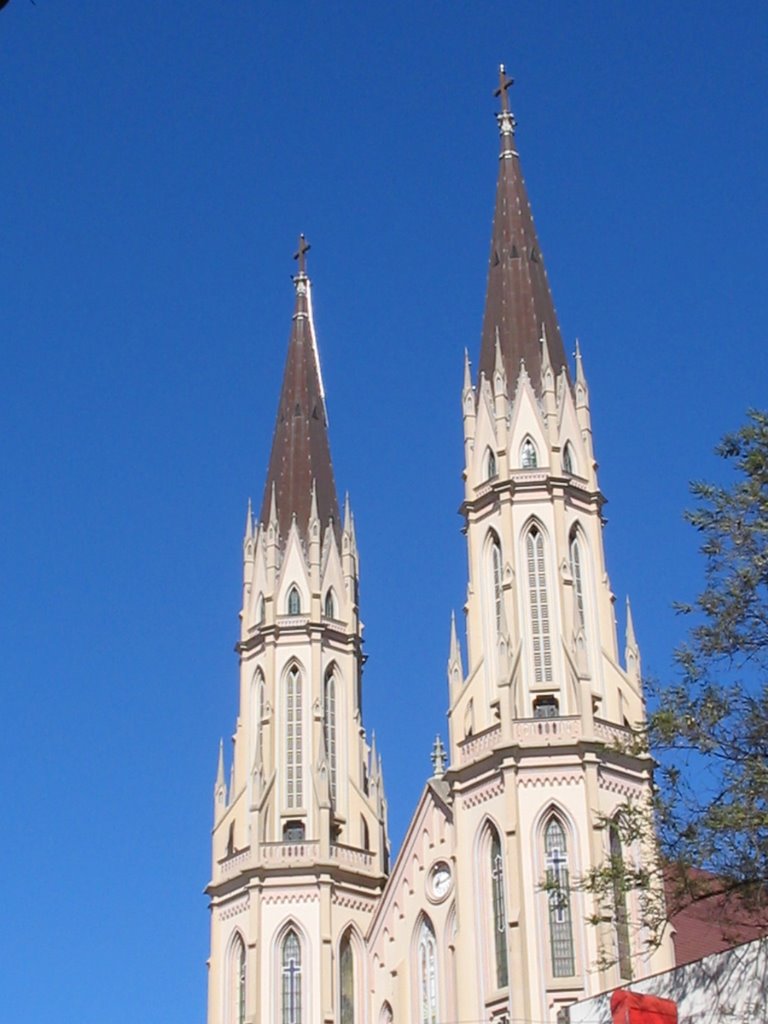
{"points": [[301, 452], [518, 304]]}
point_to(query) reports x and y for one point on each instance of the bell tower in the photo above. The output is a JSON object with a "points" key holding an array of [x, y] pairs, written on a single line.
{"points": [[300, 846], [540, 719]]}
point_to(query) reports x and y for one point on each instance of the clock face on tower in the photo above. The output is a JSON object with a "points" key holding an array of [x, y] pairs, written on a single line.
{"points": [[439, 884]]}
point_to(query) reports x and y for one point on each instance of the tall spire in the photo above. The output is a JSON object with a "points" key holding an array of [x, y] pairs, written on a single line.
{"points": [[518, 303], [301, 453]]}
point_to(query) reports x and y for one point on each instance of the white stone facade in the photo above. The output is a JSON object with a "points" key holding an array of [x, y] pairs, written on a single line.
{"points": [[481, 917]]}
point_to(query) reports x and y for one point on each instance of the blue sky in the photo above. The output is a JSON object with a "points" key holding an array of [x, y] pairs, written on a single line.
{"points": [[157, 164]]}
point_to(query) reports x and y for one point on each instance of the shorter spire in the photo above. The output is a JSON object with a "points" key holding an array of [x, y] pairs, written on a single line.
{"points": [[438, 758], [300, 447]]}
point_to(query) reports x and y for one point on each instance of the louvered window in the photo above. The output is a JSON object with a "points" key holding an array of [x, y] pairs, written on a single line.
{"points": [[329, 730], [578, 580], [293, 739], [497, 579], [541, 640]]}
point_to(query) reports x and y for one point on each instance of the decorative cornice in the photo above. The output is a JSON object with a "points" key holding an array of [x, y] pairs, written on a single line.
{"points": [[291, 897], [234, 907], [491, 789], [353, 903], [532, 780]]}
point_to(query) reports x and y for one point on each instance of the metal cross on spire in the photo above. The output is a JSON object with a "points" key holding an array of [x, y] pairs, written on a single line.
{"points": [[301, 253], [503, 90]]}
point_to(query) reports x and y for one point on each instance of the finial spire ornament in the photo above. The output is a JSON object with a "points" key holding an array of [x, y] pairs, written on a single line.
{"points": [[438, 758], [301, 255], [503, 90], [505, 117]]}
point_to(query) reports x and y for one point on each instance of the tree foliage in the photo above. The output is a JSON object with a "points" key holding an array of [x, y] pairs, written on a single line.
{"points": [[713, 806], [709, 730]]}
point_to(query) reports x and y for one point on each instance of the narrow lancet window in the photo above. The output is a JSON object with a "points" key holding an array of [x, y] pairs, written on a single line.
{"points": [[620, 903], [427, 975], [497, 581], [568, 459], [528, 457], [559, 898], [346, 982], [291, 979], [241, 985], [330, 609], [235, 1013], [293, 739], [490, 465], [541, 641], [578, 578], [294, 602], [329, 730], [499, 915]]}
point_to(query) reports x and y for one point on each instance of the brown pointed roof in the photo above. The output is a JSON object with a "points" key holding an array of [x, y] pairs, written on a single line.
{"points": [[518, 300], [301, 453]]}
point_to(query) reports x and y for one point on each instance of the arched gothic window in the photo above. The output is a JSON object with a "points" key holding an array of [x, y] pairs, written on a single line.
{"points": [[330, 604], [293, 738], [427, 975], [290, 966], [528, 457], [237, 983], [496, 576], [346, 982], [541, 641], [499, 914], [329, 729], [258, 703], [559, 899], [620, 902], [490, 465], [578, 578], [568, 459], [294, 602]]}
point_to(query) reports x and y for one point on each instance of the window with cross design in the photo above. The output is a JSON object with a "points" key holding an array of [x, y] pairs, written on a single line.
{"points": [[559, 900], [499, 915], [291, 979], [427, 975]]}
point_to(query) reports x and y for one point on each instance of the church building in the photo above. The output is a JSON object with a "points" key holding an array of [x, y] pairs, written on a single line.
{"points": [[480, 918]]}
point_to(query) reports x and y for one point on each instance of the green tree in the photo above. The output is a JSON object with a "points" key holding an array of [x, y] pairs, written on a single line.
{"points": [[709, 731]]}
